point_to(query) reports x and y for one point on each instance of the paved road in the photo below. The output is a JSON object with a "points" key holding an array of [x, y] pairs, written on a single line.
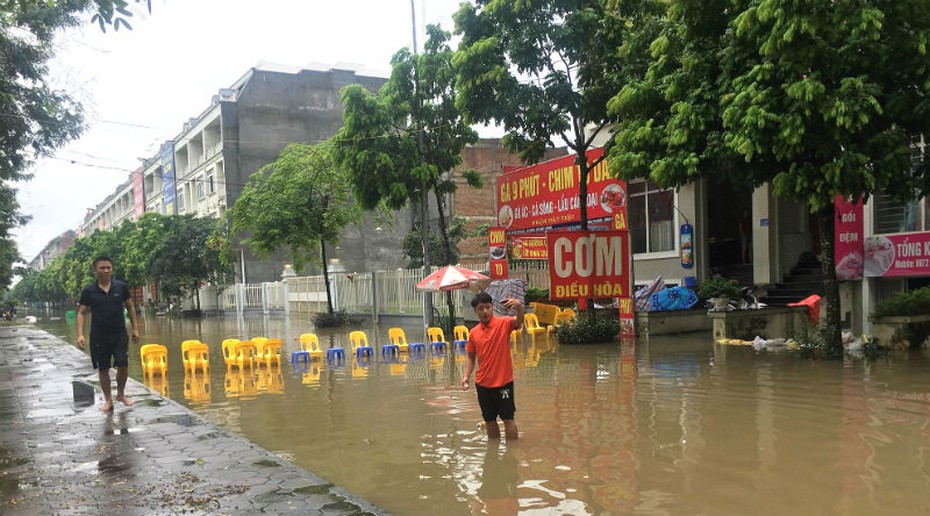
{"points": [[156, 457]]}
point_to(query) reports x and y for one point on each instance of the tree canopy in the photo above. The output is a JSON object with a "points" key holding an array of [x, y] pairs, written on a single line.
{"points": [[187, 255], [36, 118], [299, 202], [817, 99], [545, 70], [408, 135], [178, 252]]}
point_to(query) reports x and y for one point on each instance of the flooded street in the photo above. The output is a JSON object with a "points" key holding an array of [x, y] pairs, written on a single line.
{"points": [[672, 426]]}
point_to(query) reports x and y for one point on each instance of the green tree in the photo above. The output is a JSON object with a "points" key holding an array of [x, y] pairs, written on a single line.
{"points": [[107, 13], [413, 244], [300, 201], [545, 71], [408, 136], [36, 118], [185, 258], [817, 99], [139, 241]]}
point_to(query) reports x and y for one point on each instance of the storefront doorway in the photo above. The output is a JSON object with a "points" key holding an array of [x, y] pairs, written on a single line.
{"points": [[729, 230]]}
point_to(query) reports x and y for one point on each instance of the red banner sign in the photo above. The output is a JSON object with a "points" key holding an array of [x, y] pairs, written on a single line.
{"points": [[897, 255], [138, 197], [627, 328], [546, 194], [497, 243], [589, 264], [848, 238]]}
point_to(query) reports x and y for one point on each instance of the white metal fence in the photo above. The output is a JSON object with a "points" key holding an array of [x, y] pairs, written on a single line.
{"points": [[369, 293]]}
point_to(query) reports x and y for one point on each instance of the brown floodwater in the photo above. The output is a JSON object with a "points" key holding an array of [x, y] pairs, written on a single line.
{"points": [[675, 425]]}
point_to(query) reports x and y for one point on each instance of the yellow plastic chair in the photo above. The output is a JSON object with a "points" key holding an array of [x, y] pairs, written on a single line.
{"points": [[271, 352], [461, 338], [461, 332], [195, 354], [398, 338], [564, 316], [246, 354], [360, 345], [532, 326], [437, 339], [259, 345], [229, 352], [154, 359], [310, 343]]}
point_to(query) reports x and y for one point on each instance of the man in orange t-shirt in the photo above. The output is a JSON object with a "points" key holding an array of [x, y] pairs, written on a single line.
{"points": [[489, 342]]}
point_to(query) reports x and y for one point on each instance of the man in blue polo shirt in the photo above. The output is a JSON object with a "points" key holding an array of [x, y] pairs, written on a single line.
{"points": [[109, 343]]}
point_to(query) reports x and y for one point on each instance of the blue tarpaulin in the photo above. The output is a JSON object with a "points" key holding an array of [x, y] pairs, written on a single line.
{"points": [[675, 298]]}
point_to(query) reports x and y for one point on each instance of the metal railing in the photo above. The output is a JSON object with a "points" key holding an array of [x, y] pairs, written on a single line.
{"points": [[365, 293]]}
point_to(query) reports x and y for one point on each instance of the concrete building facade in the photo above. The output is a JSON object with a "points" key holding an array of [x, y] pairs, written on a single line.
{"points": [[203, 170], [52, 250]]}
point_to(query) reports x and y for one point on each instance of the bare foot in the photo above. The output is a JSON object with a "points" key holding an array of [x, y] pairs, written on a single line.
{"points": [[124, 400], [107, 406]]}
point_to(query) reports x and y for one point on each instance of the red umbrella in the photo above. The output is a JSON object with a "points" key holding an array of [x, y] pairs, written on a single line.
{"points": [[451, 277]]}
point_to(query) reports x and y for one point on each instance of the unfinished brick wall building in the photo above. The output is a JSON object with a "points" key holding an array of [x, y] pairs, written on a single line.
{"points": [[488, 157]]}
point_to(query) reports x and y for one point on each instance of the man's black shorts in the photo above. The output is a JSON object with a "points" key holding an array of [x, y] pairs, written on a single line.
{"points": [[109, 347], [496, 401]]}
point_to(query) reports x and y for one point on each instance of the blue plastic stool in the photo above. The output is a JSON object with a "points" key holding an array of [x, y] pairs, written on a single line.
{"points": [[459, 345], [363, 351], [335, 354], [390, 349], [300, 367], [437, 347], [417, 347], [298, 356]]}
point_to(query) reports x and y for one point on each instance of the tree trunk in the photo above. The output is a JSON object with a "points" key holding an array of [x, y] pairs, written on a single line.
{"points": [[833, 344], [451, 324], [581, 159], [446, 248], [443, 227], [329, 295]]}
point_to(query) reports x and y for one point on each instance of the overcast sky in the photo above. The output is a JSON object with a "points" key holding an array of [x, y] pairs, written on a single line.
{"points": [[138, 87]]}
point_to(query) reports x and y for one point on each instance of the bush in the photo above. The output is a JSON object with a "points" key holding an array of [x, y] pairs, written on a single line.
{"points": [[333, 320], [718, 286], [589, 328], [914, 302], [537, 294]]}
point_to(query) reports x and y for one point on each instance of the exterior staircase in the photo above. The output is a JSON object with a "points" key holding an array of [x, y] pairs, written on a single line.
{"points": [[804, 279]]}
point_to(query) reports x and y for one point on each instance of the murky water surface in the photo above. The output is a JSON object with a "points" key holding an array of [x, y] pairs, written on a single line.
{"points": [[672, 426]]}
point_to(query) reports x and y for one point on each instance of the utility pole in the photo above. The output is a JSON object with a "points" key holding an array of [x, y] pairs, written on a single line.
{"points": [[424, 198]]}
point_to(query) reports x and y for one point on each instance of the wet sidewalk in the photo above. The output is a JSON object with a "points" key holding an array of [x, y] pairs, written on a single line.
{"points": [[156, 457]]}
